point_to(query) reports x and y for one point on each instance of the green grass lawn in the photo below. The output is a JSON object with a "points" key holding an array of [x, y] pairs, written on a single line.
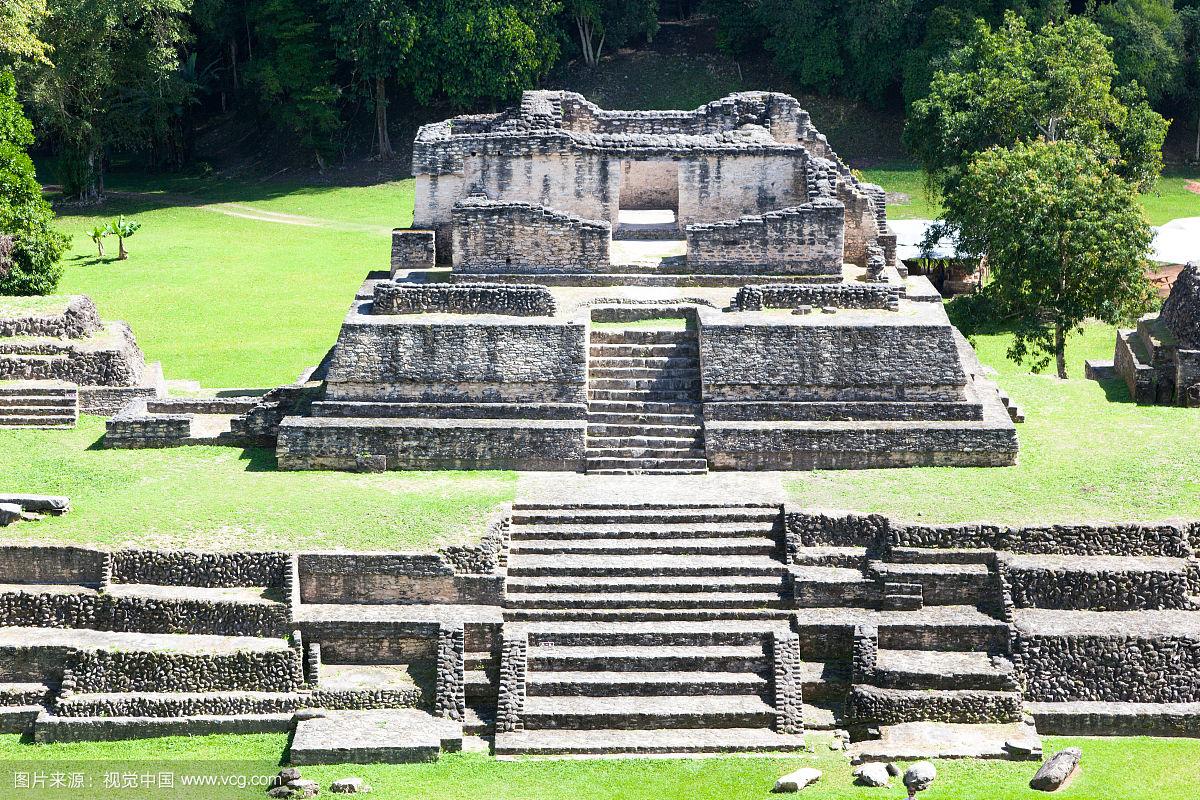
{"points": [[1124, 768], [229, 300], [227, 498]]}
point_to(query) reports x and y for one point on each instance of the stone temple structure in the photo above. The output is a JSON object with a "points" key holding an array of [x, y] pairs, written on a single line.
{"points": [[800, 342], [1160, 359]]}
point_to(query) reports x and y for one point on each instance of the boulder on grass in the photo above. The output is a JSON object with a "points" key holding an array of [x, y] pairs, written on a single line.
{"points": [[9, 513], [919, 777], [872, 774], [304, 788], [795, 781], [1056, 770]]}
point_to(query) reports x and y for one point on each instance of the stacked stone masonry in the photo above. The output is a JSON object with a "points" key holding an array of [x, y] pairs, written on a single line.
{"points": [[463, 298], [1160, 359]]}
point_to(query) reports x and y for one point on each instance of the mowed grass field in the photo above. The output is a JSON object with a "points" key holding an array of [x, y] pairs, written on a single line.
{"points": [[1112, 769]]}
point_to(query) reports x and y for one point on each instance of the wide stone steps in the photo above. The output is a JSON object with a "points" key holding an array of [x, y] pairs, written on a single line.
{"points": [[645, 614], [740, 545], [658, 413], [695, 585], [616, 683], [619, 565], [635, 466], [924, 669], [668, 351], [659, 456], [644, 600], [680, 633], [38, 404], [636, 530], [945, 583], [618, 424], [647, 712], [619, 514], [647, 395], [646, 742], [635, 336], [49, 410], [947, 555], [684, 370], [608, 437], [650, 658], [656, 277], [27, 421], [685, 358]]}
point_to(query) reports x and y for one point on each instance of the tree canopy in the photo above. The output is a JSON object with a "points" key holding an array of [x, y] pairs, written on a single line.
{"points": [[1064, 237], [1013, 84], [30, 264]]}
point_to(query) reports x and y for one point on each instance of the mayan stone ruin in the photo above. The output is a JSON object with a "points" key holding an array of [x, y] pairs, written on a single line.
{"points": [[802, 342], [58, 358], [645, 592], [1160, 359]]}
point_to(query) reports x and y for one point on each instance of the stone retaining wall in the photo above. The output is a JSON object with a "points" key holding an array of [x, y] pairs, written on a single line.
{"points": [[965, 706], [79, 320], [160, 671], [1127, 668], [450, 699], [205, 569], [1116, 588], [512, 237], [788, 681], [835, 295], [463, 298], [799, 240], [134, 427]]}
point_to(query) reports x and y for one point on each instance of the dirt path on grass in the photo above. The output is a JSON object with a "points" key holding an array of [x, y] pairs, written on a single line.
{"points": [[243, 211]]}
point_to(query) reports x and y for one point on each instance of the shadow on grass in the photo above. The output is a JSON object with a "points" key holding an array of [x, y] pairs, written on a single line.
{"points": [[259, 459], [1116, 390]]}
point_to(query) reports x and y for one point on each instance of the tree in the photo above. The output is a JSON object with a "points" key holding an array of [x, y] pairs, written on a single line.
{"points": [[19, 21], [122, 229], [1065, 240], [1013, 85], [114, 82], [292, 75], [481, 52], [31, 265], [1145, 42], [97, 234], [611, 22], [376, 36], [1189, 23]]}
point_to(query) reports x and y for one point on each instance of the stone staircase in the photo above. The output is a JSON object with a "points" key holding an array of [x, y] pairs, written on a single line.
{"points": [[646, 630], [933, 675], [38, 404], [644, 413]]}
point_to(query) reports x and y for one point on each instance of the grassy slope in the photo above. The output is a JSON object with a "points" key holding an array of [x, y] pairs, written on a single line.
{"points": [[1086, 453], [225, 498], [1129, 768]]}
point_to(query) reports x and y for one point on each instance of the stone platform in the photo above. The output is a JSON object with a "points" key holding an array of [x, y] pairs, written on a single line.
{"points": [[373, 737]]}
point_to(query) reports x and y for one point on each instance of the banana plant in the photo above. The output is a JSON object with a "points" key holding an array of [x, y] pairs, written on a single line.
{"points": [[97, 235], [122, 228]]}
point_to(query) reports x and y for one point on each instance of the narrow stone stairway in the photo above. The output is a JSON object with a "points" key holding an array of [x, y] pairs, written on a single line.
{"points": [[646, 630], [38, 404], [644, 403]]}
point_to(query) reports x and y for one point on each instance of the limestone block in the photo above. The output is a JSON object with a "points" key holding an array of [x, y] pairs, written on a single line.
{"points": [[795, 781], [1056, 770], [872, 774]]}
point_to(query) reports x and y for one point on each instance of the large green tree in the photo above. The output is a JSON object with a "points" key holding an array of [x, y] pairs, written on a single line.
{"points": [[115, 82], [596, 23], [375, 36], [32, 247], [1145, 42], [1065, 240], [481, 52], [1012, 84]]}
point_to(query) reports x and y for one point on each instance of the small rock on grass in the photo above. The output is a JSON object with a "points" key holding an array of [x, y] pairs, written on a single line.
{"points": [[304, 788], [872, 774], [349, 786], [1054, 773], [795, 781], [9, 513]]}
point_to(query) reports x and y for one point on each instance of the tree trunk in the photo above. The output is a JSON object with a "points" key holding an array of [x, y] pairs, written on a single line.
{"points": [[585, 39], [121, 253], [385, 142], [233, 63], [100, 247], [1060, 349], [1198, 135]]}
